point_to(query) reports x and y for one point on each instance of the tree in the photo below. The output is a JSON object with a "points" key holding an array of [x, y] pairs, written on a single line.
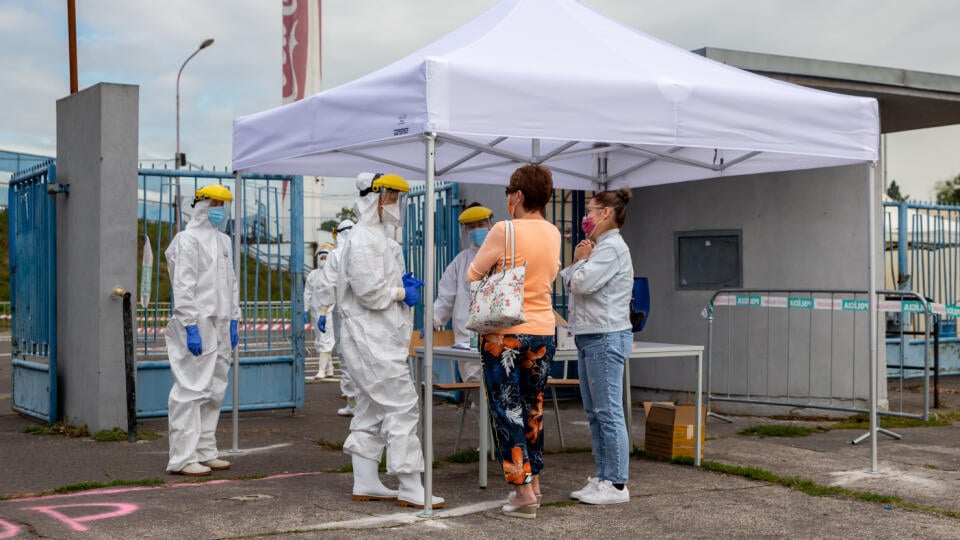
{"points": [[948, 191], [893, 191], [344, 213]]}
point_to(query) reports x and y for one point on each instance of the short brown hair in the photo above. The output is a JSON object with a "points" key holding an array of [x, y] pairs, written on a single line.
{"points": [[536, 184]]}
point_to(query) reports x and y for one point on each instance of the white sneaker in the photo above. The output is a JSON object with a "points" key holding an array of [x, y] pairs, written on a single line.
{"points": [[606, 493], [589, 488], [217, 464], [193, 469], [346, 411]]}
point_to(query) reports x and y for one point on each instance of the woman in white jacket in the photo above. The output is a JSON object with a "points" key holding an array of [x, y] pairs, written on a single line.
{"points": [[600, 282]]}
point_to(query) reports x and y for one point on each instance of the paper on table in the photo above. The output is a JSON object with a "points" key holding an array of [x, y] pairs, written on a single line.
{"points": [[464, 346]]}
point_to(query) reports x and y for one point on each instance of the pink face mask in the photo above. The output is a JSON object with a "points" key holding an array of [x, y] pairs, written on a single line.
{"points": [[587, 225]]}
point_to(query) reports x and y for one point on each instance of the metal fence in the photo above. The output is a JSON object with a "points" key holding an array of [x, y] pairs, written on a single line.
{"points": [[808, 349], [264, 261]]}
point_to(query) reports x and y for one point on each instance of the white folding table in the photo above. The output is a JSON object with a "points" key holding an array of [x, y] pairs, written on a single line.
{"points": [[640, 349]]}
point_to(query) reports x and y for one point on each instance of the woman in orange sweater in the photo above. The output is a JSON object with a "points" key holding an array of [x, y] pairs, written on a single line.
{"points": [[517, 360]]}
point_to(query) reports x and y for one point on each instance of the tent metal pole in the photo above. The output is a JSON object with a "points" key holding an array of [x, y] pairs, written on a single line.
{"points": [[872, 297], [237, 218], [429, 248]]}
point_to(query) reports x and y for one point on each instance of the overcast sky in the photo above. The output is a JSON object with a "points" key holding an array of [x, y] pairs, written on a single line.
{"points": [[143, 42]]}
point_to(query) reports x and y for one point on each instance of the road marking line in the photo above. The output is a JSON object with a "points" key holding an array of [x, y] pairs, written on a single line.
{"points": [[405, 518]]}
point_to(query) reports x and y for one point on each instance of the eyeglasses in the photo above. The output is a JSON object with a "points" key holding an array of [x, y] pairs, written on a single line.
{"points": [[592, 208]]}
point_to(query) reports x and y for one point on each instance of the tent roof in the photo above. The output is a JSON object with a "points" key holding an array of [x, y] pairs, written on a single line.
{"points": [[554, 82]]}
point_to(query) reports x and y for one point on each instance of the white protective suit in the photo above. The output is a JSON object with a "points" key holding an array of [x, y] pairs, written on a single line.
{"points": [[204, 286], [324, 341], [453, 301], [375, 340], [325, 294]]}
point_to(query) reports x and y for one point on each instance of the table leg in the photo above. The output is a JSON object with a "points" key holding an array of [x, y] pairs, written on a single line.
{"points": [[698, 423], [484, 432]]}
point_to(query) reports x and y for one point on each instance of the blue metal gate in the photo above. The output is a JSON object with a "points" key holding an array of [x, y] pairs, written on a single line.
{"points": [[33, 292]]}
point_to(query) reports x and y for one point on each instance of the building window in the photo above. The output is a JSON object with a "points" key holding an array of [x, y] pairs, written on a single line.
{"points": [[708, 260]]}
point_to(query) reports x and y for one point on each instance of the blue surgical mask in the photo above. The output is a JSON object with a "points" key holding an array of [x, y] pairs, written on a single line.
{"points": [[477, 236], [215, 215]]}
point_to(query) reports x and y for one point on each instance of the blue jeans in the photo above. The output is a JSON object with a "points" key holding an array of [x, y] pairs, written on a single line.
{"points": [[600, 367], [515, 370]]}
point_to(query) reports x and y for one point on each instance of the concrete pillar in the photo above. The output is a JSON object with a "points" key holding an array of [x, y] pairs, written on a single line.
{"points": [[96, 249]]}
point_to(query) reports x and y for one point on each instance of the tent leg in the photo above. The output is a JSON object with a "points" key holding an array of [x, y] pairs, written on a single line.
{"points": [[428, 278], [872, 320]]}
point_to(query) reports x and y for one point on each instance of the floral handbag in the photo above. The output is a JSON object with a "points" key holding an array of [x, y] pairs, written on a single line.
{"points": [[496, 301]]}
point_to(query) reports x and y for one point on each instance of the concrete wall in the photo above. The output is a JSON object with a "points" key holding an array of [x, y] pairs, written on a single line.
{"points": [[800, 229], [97, 134]]}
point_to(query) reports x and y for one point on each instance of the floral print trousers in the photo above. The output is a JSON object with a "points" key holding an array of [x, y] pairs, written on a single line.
{"points": [[515, 370]]}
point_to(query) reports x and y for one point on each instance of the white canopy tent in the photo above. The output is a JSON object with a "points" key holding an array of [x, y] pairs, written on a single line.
{"points": [[556, 83]]}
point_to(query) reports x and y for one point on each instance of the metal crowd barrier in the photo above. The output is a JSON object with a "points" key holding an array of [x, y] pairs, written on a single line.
{"points": [[808, 349]]}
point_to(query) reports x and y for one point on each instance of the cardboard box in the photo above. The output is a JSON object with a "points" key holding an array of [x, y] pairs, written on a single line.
{"points": [[441, 338], [670, 430]]}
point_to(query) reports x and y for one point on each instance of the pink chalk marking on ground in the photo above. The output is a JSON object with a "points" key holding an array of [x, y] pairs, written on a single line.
{"points": [[122, 509], [7, 529], [114, 491]]}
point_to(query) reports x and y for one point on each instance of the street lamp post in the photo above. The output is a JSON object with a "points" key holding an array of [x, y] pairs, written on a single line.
{"points": [[176, 157]]}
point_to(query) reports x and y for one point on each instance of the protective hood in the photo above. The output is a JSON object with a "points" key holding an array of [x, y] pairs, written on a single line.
{"points": [[344, 230], [366, 206], [200, 217]]}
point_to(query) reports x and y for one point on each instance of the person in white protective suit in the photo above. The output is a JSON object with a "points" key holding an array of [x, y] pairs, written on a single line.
{"points": [[324, 339], [201, 333], [325, 294], [453, 291], [375, 297]]}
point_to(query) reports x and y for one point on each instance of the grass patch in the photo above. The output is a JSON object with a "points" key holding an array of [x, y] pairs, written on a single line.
{"points": [[471, 455], [862, 421], [779, 430], [813, 489], [86, 486], [60, 428], [251, 477], [117, 434], [330, 445]]}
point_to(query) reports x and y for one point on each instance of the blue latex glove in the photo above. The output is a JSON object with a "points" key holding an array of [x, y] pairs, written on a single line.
{"points": [[411, 295], [422, 333], [322, 324], [409, 280], [306, 317], [193, 340], [234, 335]]}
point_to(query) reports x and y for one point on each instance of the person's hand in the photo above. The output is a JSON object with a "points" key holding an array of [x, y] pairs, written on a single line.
{"points": [[583, 249], [322, 324], [306, 317], [422, 332], [234, 334], [193, 340]]}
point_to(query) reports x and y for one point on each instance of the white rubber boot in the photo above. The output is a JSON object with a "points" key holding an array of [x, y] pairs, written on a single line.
{"points": [[324, 365], [411, 492], [366, 482]]}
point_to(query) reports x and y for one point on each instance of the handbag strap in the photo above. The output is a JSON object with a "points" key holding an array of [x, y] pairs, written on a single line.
{"points": [[509, 244]]}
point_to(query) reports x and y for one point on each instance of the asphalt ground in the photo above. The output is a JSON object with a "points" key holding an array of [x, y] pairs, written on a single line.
{"points": [[286, 482]]}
